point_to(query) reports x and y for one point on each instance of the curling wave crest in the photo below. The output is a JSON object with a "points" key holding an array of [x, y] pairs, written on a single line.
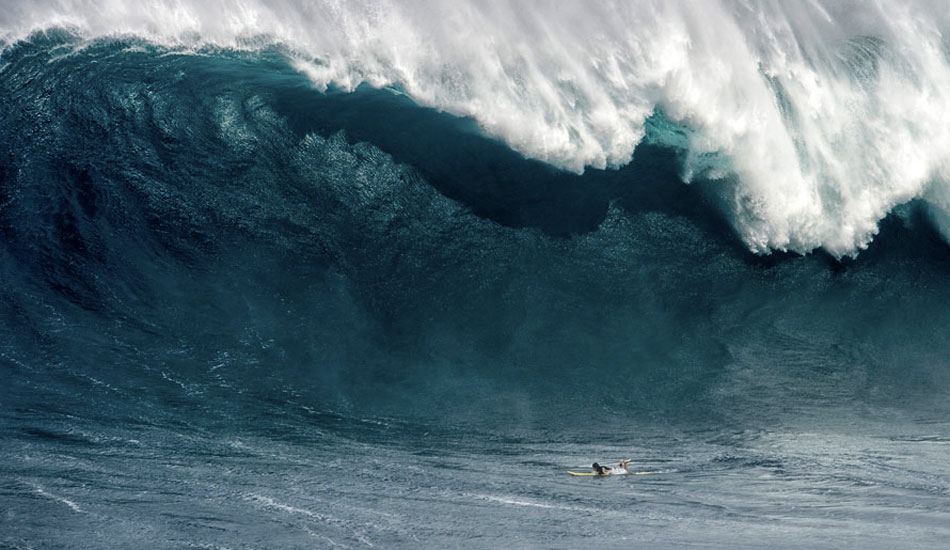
{"points": [[814, 119]]}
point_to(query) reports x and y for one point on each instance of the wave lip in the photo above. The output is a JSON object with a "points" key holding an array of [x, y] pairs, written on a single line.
{"points": [[817, 120]]}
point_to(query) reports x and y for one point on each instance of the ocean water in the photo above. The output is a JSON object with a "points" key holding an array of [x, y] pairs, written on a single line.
{"points": [[378, 274]]}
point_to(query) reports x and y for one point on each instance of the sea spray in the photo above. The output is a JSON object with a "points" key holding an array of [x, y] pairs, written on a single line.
{"points": [[827, 114]]}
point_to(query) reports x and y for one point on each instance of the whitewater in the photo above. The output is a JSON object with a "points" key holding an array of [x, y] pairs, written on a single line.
{"points": [[822, 116], [352, 274]]}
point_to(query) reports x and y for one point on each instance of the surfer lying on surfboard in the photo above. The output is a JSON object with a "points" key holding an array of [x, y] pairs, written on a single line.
{"points": [[604, 470]]}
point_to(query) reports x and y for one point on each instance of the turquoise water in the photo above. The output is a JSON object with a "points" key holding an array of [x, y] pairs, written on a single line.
{"points": [[238, 312]]}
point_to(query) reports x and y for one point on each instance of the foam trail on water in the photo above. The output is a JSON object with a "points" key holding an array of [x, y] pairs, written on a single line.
{"points": [[819, 117]]}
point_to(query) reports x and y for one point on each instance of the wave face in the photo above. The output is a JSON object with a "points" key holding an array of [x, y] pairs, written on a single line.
{"points": [[172, 213], [821, 116], [236, 308]]}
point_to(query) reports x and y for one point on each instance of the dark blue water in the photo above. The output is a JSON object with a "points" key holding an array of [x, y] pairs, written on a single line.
{"points": [[239, 313]]}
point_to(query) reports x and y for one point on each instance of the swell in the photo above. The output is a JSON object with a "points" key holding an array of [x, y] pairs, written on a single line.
{"points": [[199, 232]]}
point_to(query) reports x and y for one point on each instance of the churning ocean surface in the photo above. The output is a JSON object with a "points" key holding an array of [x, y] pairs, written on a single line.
{"points": [[377, 275]]}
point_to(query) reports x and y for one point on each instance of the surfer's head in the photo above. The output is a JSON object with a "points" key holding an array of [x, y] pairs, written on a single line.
{"points": [[596, 466]]}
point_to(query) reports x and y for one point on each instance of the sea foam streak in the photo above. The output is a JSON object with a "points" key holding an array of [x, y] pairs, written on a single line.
{"points": [[818, 117]]}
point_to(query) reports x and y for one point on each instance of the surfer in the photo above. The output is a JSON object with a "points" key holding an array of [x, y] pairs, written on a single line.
{"points": [[605, 470]]}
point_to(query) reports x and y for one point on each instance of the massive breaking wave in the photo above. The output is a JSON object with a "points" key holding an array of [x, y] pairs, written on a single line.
{"points": [[317, 272], [203, 225], [820, 116]]}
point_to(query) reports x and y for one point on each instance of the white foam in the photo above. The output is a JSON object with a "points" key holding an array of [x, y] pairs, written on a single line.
{"points": [[72, 505], [518, 501], [268, 502], [829, 113]]}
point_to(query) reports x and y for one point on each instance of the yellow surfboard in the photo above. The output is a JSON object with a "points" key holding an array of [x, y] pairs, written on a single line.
{"points": [[593, 474]]}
